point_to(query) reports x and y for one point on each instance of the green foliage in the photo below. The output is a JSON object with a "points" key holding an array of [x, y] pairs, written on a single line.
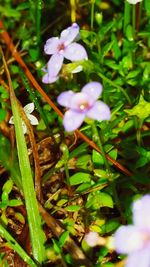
{"points": [[82, 189], [99, 199]]}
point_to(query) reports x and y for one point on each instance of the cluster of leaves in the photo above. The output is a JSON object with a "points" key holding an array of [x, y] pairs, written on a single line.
{"points": [[80, 189]]}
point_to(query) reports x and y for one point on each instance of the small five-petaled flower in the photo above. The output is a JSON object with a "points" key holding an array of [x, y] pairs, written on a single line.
{"points": [[61, 48], [134, 240], [82, 105], [28, 110]]}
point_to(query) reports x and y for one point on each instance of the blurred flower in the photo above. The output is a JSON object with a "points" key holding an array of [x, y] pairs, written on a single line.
{"points": [[61, 48], [82, 105], [92, 239], [134, 240], [33, 120], [133, 2]]}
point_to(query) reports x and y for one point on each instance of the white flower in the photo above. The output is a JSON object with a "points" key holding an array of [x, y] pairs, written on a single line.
{"points": [[28, 109], [133, 2]]}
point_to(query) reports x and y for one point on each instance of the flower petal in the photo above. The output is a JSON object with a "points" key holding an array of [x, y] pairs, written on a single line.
{"points": [[11, 121], [72, 120], [33, 119], [47, 79], [64, 98], [92, 89], [133, 2], [24, 127], [75, 52], [29, 108], [92, 239], [140, 258], [100, 111], [141, 212], [54, 65], [128, 239], [51, 46], [69, 34]]}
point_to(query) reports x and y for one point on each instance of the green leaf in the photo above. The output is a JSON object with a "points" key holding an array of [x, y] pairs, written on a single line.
{"points": [[83, 187], [15, 203], [107, 48], [23, 6], [7, 187], [10, 12], [83, 161], [115, 48], [98, 199], [79, 178], [110, 226], [34, 219], [129, 33], [141, 110], [147, 6], [113, 153], [63, 238], [97, 158], [73, 208], [57, 248]]}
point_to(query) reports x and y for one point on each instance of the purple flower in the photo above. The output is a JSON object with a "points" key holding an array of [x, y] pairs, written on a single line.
{"points": [[82, 105], [61, 48], [134, 240]]}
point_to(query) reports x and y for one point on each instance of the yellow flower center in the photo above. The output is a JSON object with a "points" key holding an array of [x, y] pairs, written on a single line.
{"points": [[83, 106]]}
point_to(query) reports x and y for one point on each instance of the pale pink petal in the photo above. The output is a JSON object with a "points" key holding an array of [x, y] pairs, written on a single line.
{"points": [[128, 239], [54, 65], [29, 108], [141, 212], [92, 239], [92, 89], [47, 79], [51, 46], [75, 52], [69, 34], [64, 98], [81, 102], [72, 120], [99, 111], [140, 258], [33, 119]]}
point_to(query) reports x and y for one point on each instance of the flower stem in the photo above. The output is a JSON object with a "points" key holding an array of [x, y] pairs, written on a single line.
{"points": [[38, 21], [67, 173], [97, 139], [115, 85], [65, 157], [127, 14], [92, 13], [134, 20], [73, 10], [138, 15]]}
